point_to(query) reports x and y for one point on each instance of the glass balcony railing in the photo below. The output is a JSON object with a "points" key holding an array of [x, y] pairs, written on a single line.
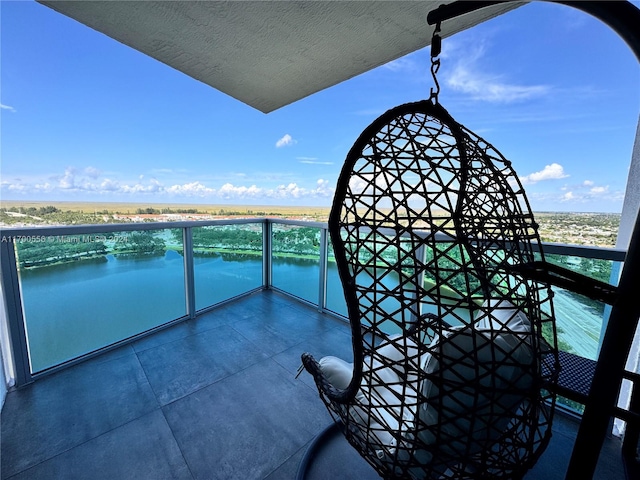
{"points": [[580, 321], [295, 252], [74, 291], [227, 262], [335, 296], [81, 293]]}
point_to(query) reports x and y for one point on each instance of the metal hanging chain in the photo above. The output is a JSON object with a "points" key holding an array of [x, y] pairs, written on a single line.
{"points": [[436, 48]]}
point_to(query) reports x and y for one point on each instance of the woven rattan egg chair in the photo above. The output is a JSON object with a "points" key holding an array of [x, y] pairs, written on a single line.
{"points": [[454, 349]]}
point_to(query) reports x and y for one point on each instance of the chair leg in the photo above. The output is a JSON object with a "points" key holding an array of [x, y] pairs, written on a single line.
{"points": [[316, 444]]}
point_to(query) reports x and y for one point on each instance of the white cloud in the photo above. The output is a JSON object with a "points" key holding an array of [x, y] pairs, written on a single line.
{"points": [[291, 190], [92, 172], [13, 187], [401, 64], [357, 184], [470, 79], [554, 171], [285, 141], [191, 189], [44, 187], [7, 107], [78, 182], [153, 187], [109, 185], [595, 196], [314, 161], [491, 88], [323, 188], [67, 181], [230, 191], [588, 183]]}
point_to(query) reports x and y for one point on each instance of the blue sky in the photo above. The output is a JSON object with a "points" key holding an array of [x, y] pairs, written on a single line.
{"points": [[85, 118]]}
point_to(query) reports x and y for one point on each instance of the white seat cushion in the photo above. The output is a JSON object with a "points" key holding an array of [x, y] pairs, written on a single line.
{"points": [[478, 364], [381, 399], [484, 372]]}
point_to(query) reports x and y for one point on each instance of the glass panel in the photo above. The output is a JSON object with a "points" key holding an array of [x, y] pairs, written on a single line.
{"points": [[296, 260], [227, 261], [335, 293], [578, 323], [84, 292], [578, 318]]}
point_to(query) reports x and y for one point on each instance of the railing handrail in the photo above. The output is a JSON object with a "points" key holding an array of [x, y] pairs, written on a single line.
{"points": [[302, 223], [120, 227], [553, 248], [9, 267]]}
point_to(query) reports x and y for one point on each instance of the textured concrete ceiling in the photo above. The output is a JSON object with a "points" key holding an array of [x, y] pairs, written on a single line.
{"points": [[268, 54]]}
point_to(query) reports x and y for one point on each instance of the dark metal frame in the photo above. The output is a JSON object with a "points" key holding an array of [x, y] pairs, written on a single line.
{"points": [[595, 383], [624, 18]]}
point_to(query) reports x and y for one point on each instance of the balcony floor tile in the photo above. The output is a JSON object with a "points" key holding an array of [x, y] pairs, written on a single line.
{"points": [[247, 424], [336, 342], [71, 407], [184, 366], [212, 398], [143, 448]]}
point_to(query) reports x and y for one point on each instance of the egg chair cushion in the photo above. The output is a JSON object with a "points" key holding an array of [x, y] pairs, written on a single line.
{"points": [[476, 379], [378, 407], [479, 377]]}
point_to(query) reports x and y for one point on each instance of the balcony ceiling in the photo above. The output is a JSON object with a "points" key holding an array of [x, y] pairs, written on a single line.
{"points": [[268, 54]]}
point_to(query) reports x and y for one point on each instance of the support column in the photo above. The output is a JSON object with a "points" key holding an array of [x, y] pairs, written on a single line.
{"points": [[630, 209]]}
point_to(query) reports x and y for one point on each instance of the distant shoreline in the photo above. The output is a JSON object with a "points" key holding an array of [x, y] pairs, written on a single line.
{"points": [[578, 228], [89, 207]]}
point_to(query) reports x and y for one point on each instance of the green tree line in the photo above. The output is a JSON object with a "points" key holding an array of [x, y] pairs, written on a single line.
{"points": [[295, 241], [225, 237], [140, 243], [166, 210], [62, 249], [42, 251], [53, 215]]}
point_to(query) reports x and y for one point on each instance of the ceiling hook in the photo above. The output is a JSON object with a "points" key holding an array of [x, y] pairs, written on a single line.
{"points": [[436, 48]]}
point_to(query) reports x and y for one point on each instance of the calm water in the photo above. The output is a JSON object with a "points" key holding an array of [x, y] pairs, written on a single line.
{"points": [[222, 276], [74, 309]]}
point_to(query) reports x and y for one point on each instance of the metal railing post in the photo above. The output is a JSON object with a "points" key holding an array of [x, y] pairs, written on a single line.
{"points": [[189, 276], [421, 255], [267, 251], [322, 277], [15, 315]]}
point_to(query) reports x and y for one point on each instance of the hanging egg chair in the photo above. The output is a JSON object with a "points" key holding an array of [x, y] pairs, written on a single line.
{"points": [[454, 345]]}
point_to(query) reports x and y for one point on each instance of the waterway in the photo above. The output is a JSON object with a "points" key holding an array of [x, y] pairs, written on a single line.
{"points": [[74, 309]]}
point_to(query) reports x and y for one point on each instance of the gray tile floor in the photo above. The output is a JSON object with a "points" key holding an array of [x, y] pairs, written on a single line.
{"points": [[214, 398]]}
